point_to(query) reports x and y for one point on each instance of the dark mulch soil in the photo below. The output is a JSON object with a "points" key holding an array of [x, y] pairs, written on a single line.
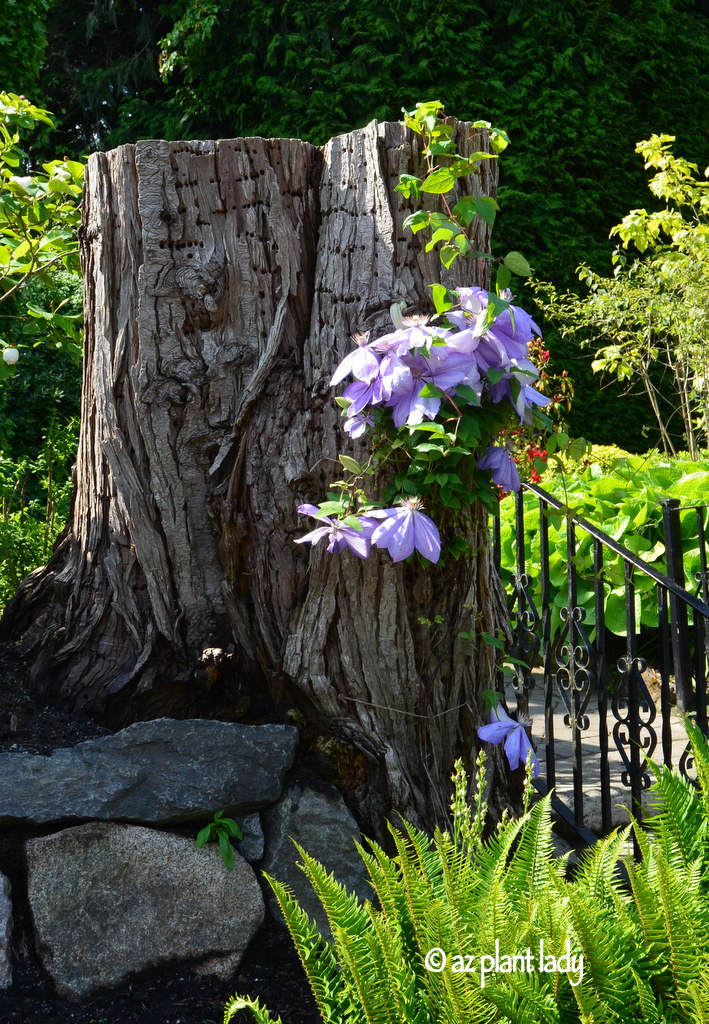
{"points": [[270, 970]]}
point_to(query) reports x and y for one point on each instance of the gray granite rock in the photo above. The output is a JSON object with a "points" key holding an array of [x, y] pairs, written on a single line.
{"points": [[251, 845], [319, 821], [108, 899], [156, 772], [5, 932]]}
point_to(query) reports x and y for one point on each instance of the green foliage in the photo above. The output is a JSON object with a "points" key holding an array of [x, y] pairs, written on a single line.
{"points": [[619, 494], [39, 218], [23, 39], [654, 311], [221, 830], [457, 924], [548, 71], [35, 494]]}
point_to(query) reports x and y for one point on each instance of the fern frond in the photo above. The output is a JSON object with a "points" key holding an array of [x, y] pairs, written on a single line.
{"points": [[700, 751], [682, 824], [593, 1008], [532, 861], [683, 918], [344, 909], [598, 872], [317, 957], [461, 1000], [648, 1003], [524, 999], [260, 1013], [492, 858], [697, 996], [401, 976], [606, 946]]}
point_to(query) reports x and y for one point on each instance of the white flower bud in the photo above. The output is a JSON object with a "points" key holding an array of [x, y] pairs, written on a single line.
{"points": [[11, 355]]}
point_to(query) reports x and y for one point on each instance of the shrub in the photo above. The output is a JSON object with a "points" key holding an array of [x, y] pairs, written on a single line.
{"points": [[35, 494], [619, 493]]}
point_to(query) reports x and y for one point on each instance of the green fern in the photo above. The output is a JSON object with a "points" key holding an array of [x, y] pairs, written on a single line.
{"points": [[643, 934], [260, 1013]]}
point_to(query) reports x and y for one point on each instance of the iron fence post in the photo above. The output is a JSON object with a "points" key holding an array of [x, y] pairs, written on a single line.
{"points": [[678, 609]]}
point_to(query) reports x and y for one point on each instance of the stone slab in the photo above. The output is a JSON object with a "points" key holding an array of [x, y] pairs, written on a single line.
{"points": [[158, 772]]}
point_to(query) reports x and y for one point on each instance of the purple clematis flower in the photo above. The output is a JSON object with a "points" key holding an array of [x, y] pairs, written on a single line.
{"points": [[504, 470], [517, 743], [442, 368], [506, 339], [340, 537], [362, 363], [363, 393], [404, 529], [357, 425]]}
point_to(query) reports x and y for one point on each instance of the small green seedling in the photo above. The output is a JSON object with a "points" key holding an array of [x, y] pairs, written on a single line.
{"points": [[222, 830]]}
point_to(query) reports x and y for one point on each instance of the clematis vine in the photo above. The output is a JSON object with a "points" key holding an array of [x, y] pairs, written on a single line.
{"points": [[434, 398], [503, 729]]}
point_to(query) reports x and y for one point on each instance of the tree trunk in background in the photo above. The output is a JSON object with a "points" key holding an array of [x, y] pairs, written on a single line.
{"points": [[223, 283]]}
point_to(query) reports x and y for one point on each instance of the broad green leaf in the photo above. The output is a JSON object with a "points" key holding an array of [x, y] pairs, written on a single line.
{"points": [[439, 181], [350, 464], [516, 262], [487, 208]]}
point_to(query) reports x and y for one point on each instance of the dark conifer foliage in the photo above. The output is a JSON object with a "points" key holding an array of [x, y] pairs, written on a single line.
{"points": [[576, 83]]}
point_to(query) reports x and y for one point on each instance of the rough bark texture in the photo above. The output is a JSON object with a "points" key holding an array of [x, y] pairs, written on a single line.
{"points": [[223, 283]]}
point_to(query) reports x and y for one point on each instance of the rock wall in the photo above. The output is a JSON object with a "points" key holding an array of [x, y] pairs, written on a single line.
{"points": [[121, 892]]}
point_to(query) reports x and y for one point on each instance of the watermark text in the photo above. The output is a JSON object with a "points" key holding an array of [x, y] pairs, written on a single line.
{"points": [[539, 960]]}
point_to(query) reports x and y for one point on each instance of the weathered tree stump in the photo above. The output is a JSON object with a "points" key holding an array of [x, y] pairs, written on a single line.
{"points": [[223, 283]]}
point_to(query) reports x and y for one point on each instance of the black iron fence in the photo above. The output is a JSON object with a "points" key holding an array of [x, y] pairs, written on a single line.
{"points": [[606, 706]]}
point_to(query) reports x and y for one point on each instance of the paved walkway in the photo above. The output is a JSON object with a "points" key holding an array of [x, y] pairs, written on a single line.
{"points": [[619, 793]]}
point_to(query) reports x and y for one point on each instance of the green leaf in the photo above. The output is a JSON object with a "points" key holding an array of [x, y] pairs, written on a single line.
{"points": [[428, 428], [487, 209], [443, 299], [226, 850], [502, 278], [495, 376], [439, 181], [417, 221], [232, 828], [448, 255], [409, 185], [516, 262], [331, 508], [351, 465], [465, 210], [430, 391], [203, 837], [467, 393]]}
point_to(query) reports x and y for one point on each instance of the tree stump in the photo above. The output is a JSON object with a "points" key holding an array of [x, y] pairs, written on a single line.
{"points": [[223, 283]]}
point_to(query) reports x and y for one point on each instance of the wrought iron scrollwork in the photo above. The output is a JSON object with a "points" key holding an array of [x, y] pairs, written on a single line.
{"points": [[575, 658], [526, 639], [686, 763], [634, 711]]}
